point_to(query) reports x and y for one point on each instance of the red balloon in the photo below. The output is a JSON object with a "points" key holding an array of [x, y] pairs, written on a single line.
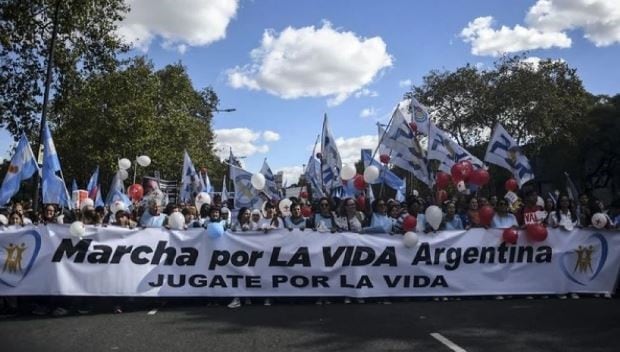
{"points": [[442, 196], [536, 232], [306, 211], [458, 173], [409, 223], [468, 169], [486, 215], [511, 185], [359, 182], [413, 127], [384, 158], [136, 192], [442, 180], [303, 194], [510, 235], [479, 177], [361, 201]]}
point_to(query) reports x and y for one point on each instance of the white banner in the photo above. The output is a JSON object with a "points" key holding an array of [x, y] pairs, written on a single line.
{"points": [[112, 261]]}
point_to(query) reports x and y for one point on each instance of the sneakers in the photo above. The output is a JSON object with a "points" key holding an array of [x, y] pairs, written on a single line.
{"points": [[574, 296], [499, 298], [607, 295], [267, 302], [247, 301], [347, 300], [386, 301], [562, 297], [117, 310], [235, 303], [361, 301], [59, 312]]}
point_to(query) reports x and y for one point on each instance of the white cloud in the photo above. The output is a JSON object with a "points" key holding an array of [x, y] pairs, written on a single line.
{"points": [[366, 93], [405, 83], [599, 19], [349, 148], [547, 24], [488, 41], [291, 173], [312, 62], [180, 25], [271, 136], [368, 112], [533, 62], [244, 142]]}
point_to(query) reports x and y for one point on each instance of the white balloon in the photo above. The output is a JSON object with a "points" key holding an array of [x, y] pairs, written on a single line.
{"points": [[87, 203], [348, 172], [371, 174], [116, 206], [4, 220], [410, 239], [461, 186], [258, 181], [144, 160], [124, 164], [599, 220], [176, 221], [285, 206], [202, 198], [123, 174], [433, 215], [77, 229]]}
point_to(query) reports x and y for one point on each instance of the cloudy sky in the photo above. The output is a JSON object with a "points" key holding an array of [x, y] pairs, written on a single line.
{"points": [[283, 64]]}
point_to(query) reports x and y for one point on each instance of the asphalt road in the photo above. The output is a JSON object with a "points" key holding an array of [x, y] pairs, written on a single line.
{"points": [[587, 324]]}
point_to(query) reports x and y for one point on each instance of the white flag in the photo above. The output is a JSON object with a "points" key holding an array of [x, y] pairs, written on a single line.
{"points": [[441, 147], [504, 151]]}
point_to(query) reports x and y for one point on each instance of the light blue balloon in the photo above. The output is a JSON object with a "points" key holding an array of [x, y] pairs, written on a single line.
{"points": [[215, 229]]}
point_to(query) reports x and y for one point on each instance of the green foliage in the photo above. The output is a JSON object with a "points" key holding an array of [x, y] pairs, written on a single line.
{"points": [[539, 105], [86, 44], [136, 111]]}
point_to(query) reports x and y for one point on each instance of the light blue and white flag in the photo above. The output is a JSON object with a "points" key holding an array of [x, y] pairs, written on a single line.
{"points": [[330, 163], [207, 183], [400, 193], [117, 191], [385, 175], [245, 194], [504, 151], [270, 181], [413, 111], [98, 199], [191, 182], [53, 186], [92, 187], [313, 175], [399, 142], [448, 152], [23, 165], [224, 190]]}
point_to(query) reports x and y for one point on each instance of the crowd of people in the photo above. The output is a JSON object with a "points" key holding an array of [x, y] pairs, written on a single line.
{"points": [[326, 214]]}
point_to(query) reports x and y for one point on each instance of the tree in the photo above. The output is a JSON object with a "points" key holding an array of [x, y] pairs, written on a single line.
{"points": [[133, 111], [538, 104], [86, 44]]}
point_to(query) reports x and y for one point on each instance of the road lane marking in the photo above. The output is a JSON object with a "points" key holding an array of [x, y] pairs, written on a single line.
{"points": [[451, 345]]}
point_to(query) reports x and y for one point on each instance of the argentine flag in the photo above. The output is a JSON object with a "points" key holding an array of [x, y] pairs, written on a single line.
{"points": [[54, 188], [22, 167]]}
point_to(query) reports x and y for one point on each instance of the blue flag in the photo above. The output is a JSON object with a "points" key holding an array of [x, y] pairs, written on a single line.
{"points": [[245, 194], [330, 160], [54, 188], [23, 165], [504, 151], [270, 181], [117, 192], [385, 175], [93, 183], [313, 174], [191, 182]]}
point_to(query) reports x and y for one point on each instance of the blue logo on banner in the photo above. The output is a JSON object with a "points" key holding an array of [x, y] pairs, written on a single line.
{"points": [[584, 263], [18, 253]]}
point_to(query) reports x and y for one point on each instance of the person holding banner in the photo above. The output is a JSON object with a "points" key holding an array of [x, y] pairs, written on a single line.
{"points": [[48, 214], [153, 216], [473, 214], [324, 219], [530, 213], [270, 219], [379, 218], [563, 216], [502, 219], [451, 221], [243, 222], [19, 208], [296, 220], [350, 219]]}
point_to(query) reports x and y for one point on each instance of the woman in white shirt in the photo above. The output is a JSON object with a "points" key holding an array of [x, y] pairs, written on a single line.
{"points": [[563, 216]]}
